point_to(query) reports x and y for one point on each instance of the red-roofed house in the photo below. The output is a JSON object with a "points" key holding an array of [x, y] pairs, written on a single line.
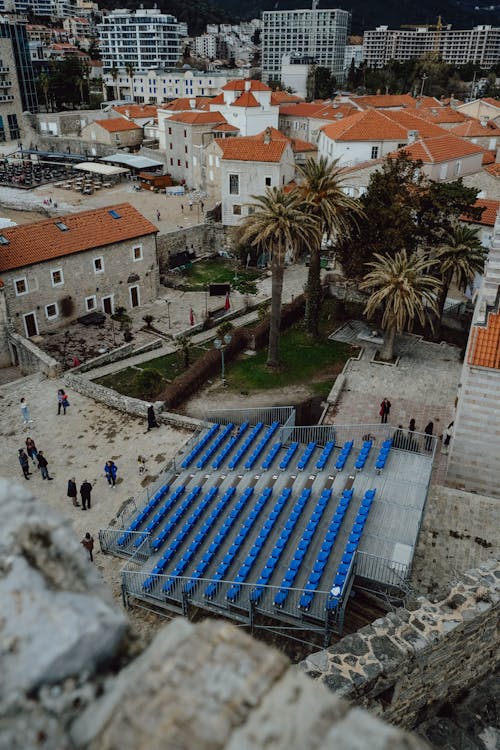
{"points": [[117, 131], [59, 269], [247, 105], [485, 225], [446, 157], [305, 119], [370, 135], [483, 132], [478, 108]]}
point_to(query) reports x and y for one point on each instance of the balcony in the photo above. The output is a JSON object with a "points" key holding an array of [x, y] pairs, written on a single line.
{"points": [[4, 69], [6, 98]]}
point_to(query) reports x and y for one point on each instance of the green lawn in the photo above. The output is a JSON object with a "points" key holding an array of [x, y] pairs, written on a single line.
{"points": [[219, 271]]}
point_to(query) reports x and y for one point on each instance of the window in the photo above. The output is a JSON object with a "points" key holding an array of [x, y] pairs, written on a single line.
{"points": [[185, 149], [114, 214], [90, 303], [137, 253], [178, 162], [267, 181], [21, 286], [51, 311], [237, 209], [170, 145], [62, 226], [99, 265], [234, 184], [57, 277], [171, 162], [374, 152], [170, 131], [185, 134]]}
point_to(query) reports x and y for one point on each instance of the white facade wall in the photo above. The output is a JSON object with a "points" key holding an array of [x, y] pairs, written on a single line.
{"points": [[354, 152], [160, 86]]}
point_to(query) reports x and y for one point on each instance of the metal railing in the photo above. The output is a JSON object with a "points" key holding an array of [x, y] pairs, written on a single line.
{"points": [[381, 570], [320, 434], [413, 442], [268, 415], [109, 538]]}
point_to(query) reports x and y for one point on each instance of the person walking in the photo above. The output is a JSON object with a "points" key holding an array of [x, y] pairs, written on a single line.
{"points": [[385, 410], [151, 418], [110, 470], [88, 543], [85, 492], [72, 492], [158, 215], [411, 426], [60, 394], [429, 429], [31, 449], [43, 465], [190, 204], [25, 412], [64, 401], [23, 460], [448, 434]]}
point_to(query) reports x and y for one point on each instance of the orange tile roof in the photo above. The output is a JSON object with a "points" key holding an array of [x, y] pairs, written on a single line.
{"points": [[137, 110], [493, 170], [225, 127], [298, 145], [183, 104], [379, 101], [239, 84], [250, 148], [280, 97], [302, 109], [489, 157], [117, 124], [489, 214], [219, 99], [375, 125], [439, 149], [485, 346], [440, 115], [197, 118], [87, 230], [246, 99], [472, 128]]}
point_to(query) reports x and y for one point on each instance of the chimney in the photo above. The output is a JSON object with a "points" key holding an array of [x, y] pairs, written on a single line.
{"points": [[339, 116], [192, 103], [248, 84], [483, 120], [412, 136], [267, 135]]}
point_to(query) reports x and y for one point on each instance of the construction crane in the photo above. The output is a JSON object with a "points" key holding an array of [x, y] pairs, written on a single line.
{"points": [[438, 26]]}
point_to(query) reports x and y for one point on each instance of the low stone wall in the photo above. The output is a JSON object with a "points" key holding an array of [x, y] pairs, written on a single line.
{"points": [[404, 666], [202, 238], [121, 352], [31, 358]]}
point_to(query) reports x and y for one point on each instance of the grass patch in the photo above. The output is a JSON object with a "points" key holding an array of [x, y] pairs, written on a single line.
{"points": [[217, 271]]}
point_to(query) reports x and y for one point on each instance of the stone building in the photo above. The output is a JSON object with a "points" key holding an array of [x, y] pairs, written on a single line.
{"points": [[56, 270], [116, 131]]}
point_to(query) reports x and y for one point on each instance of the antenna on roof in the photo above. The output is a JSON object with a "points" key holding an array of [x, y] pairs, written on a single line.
{"points": [[315, 4]]}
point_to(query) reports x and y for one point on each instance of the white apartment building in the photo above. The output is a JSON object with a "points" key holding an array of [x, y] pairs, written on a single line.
{"points": [[320, 35], [158, 86], [480, 45], [142, 38], [206, 45]]}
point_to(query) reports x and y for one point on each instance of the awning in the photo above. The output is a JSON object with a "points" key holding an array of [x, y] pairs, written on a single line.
{"points": [[103, 169], [132, 160]]}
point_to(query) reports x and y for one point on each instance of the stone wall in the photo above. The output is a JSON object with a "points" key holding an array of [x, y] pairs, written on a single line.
{"points": [[121, 352], [73, 676], [31, 359], [404, 666], [202, 238]]}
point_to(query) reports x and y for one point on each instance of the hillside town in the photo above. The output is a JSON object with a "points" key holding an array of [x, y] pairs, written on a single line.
{"points": [[250, 324]]}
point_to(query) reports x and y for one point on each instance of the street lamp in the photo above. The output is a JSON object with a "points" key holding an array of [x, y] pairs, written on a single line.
{"points": [[222, 344]]}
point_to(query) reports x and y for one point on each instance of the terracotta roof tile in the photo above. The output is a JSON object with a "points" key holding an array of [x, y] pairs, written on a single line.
{"points": [[219, 99], [225, 127], [298, 145], [379, 101], [41, 241], [439, 149], [133, 111], [493, 170], [280, 97], [472, 128], [302, 109], [489, 157], [489, 214], [117, 124], [239, 84], [251, 148], [246, 99], [375, 125], [485, 347], [198, 118], [183, 104], [440, 115]]}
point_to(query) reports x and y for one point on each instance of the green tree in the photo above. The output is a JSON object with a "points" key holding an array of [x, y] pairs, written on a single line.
{"points": [[404, 289], [459, 257], [115, 73], [324, 83], [44, 88], [320, 187], [279, 224]]}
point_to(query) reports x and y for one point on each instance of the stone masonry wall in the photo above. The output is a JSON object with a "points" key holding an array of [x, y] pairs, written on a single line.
{"points": [[205, 238], [30, 358], [404, 666]]}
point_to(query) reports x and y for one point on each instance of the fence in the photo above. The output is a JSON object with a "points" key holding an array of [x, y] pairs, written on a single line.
{"points": [[414, 442], [387, 572], [109, 541], [282, 414], [319, 434]]}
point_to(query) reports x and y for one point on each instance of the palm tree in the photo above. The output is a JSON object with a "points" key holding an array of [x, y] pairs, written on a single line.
{"points": [[114, 73], [320, 185], [403, 287], [460, 256], [130, 70], [44, 84], [279, 223]]}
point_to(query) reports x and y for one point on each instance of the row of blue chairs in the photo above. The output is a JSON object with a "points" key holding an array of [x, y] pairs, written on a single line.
{"points": [[246, 444], [304, 459], [261, 445], [259, 542], [174, 520], [280, 545], [302, 547], [213, 447], [238, 542], [325, 455], [363, 454], [177, 541], [216, 464], [325, 550], [160, 514], [344, 454], [141, 517], [383, 455], [271, 456], [350, 550], [288, 456], [224, 530], [199, 446], [203, 532]]}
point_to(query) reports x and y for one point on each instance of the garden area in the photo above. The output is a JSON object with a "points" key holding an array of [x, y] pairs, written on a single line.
{"points": [[198, 276]]}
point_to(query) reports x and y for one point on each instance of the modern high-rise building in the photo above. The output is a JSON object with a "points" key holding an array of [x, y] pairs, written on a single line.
{"points": [[142, 39], [17, 83], [44, 8], [320, 35], [480, 45]]}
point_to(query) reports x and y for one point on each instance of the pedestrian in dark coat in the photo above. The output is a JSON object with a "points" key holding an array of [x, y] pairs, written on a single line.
{"points": [[110, 470], [88, 543], [23, 460], [85, 491], [72, 492], [43, 466], [151, 418], [429, 429], [385, 409], [31, 449]]}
